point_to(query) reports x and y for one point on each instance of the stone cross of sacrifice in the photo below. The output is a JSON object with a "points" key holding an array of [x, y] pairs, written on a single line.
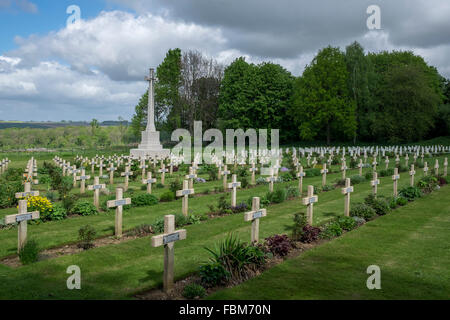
{"points": [[97, 187], [347, 191], [149, 181], [309, 202], [22, 218], [254, 217], [233, 185], [185, 194], [168, 240], [118, 203]]}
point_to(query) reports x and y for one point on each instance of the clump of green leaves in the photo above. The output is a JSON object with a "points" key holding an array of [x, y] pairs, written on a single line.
{"points": [[193, 291], [84, 209], [86, 236], [29, 252]]}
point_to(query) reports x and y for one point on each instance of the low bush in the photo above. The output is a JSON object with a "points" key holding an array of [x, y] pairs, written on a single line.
{"points": [[278, 245], [193, 291], [213, 274], [362, 210], [167, 197], [357, 179], [292, 192], [314, 172], [29, 253], [401, 201], [57, 213], [427, 184], [303, 232], [410, 193], [241, 207], [144, 199], [86, 236], [347, 223], [84, 209], [278, 196], [359, 221], [41, 204], [331, 230], [380, 205], [8, 192], [327, 188]]}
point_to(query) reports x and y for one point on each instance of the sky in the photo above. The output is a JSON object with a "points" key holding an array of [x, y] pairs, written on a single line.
{"points": [[52, 69]]}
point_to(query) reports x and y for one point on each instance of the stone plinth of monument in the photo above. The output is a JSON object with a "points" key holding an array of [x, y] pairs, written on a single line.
{"points": [[150, 143]]}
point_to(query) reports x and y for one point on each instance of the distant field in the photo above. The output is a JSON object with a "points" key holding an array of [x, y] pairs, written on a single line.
{"points": [[49, 125]]}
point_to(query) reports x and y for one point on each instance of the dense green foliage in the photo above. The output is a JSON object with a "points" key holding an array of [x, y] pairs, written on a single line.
{"points": [[29, 253]]}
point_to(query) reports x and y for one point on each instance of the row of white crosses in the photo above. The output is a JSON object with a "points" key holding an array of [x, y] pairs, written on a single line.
{"points": [[4, 163]]}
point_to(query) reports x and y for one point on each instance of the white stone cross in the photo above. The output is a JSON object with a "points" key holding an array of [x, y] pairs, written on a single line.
{"points": [[445, 167], [168, 240], [324, 172], [97, 187], [309, 202], [412, 173], [149, 181], [225, 173], [253, 170], [163, 172], [344, 169], [395, 178], [127, 175], [425, 168], [436, 168], [387, 162], [347, 191], [233, 185], [111, 170], [28, 192], [271, 180], [360, 167], [118, 203], [254, 217], [374, 183], [300, 176], [185, 194], [22, 217], [83, 179]]}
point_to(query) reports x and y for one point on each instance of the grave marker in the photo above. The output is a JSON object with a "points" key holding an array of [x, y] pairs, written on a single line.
{"points": [[168, 240], [395, 178], [97, 187], [233, 185], [324, 172], [300, 176], [374, 183], [412, 173], [22, 218], [118, 204], [309, 202], [347, 191], [83, 179], [254, 217], [185, 194], [149, 181]]}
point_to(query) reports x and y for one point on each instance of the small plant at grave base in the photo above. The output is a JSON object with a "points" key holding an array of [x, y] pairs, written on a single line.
{"points": [[194, 291], [261, 180], [8, 191], [29, 252], [158, 226], [303, 232], [58, 213], [223, 205], [167, 197], [347, 223], [175, 185], [141, 230], [327, 188], [278, 196], [292, 192], [86, 236], [241, 207], [353, 163], [362, 210], [239, 259], [410, 193], [278, 245], [401, 201], [427, 184], [143, 187], [340, 183], [367, 176], [84, 209], [442, 181], [402, 168], [144, 199], [68, 201], [41, 204], [244, 183], [314, 172], [287, 176], [356, 179], [213, 274], [331, 230], [380, 205], [359, 221], [159, 185]]}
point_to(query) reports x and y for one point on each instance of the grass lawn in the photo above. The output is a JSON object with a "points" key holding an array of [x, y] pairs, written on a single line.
{"points": [[411, 246], [122, 270]]}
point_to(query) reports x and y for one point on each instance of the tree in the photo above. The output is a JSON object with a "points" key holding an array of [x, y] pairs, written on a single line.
{"points": [[94, 126], [123, 126], [256, 96], [321, 101], [359, 69]]}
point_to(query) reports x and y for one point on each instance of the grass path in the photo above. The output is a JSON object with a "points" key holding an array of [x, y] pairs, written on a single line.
{"points": [[411, 246]]}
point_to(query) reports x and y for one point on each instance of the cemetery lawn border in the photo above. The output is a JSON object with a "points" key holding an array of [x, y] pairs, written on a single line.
{"points": [[410, 245]]}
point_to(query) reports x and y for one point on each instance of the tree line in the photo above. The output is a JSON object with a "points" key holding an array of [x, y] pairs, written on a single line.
{"points": [[342, 96]]}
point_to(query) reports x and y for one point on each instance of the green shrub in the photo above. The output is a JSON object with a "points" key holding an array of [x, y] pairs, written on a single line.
{"points": [[167, 197], [327, 188], [213, 274], [278, 196], [158, 225], [362, 210], [368, 176], [68, 202], [192, 291], [300, 221], [292, 192], [144, 199], [401, 201], [244, 183], [8, 192], [427, 184], [239, 259], [380, 205], [312, 172], [357, 179], [57, 213], [346, 223], [331, 230], [359, 221], [29, 252], [410, 193], [86, 236], [175, 185], [159, 185], [84, 209]]}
